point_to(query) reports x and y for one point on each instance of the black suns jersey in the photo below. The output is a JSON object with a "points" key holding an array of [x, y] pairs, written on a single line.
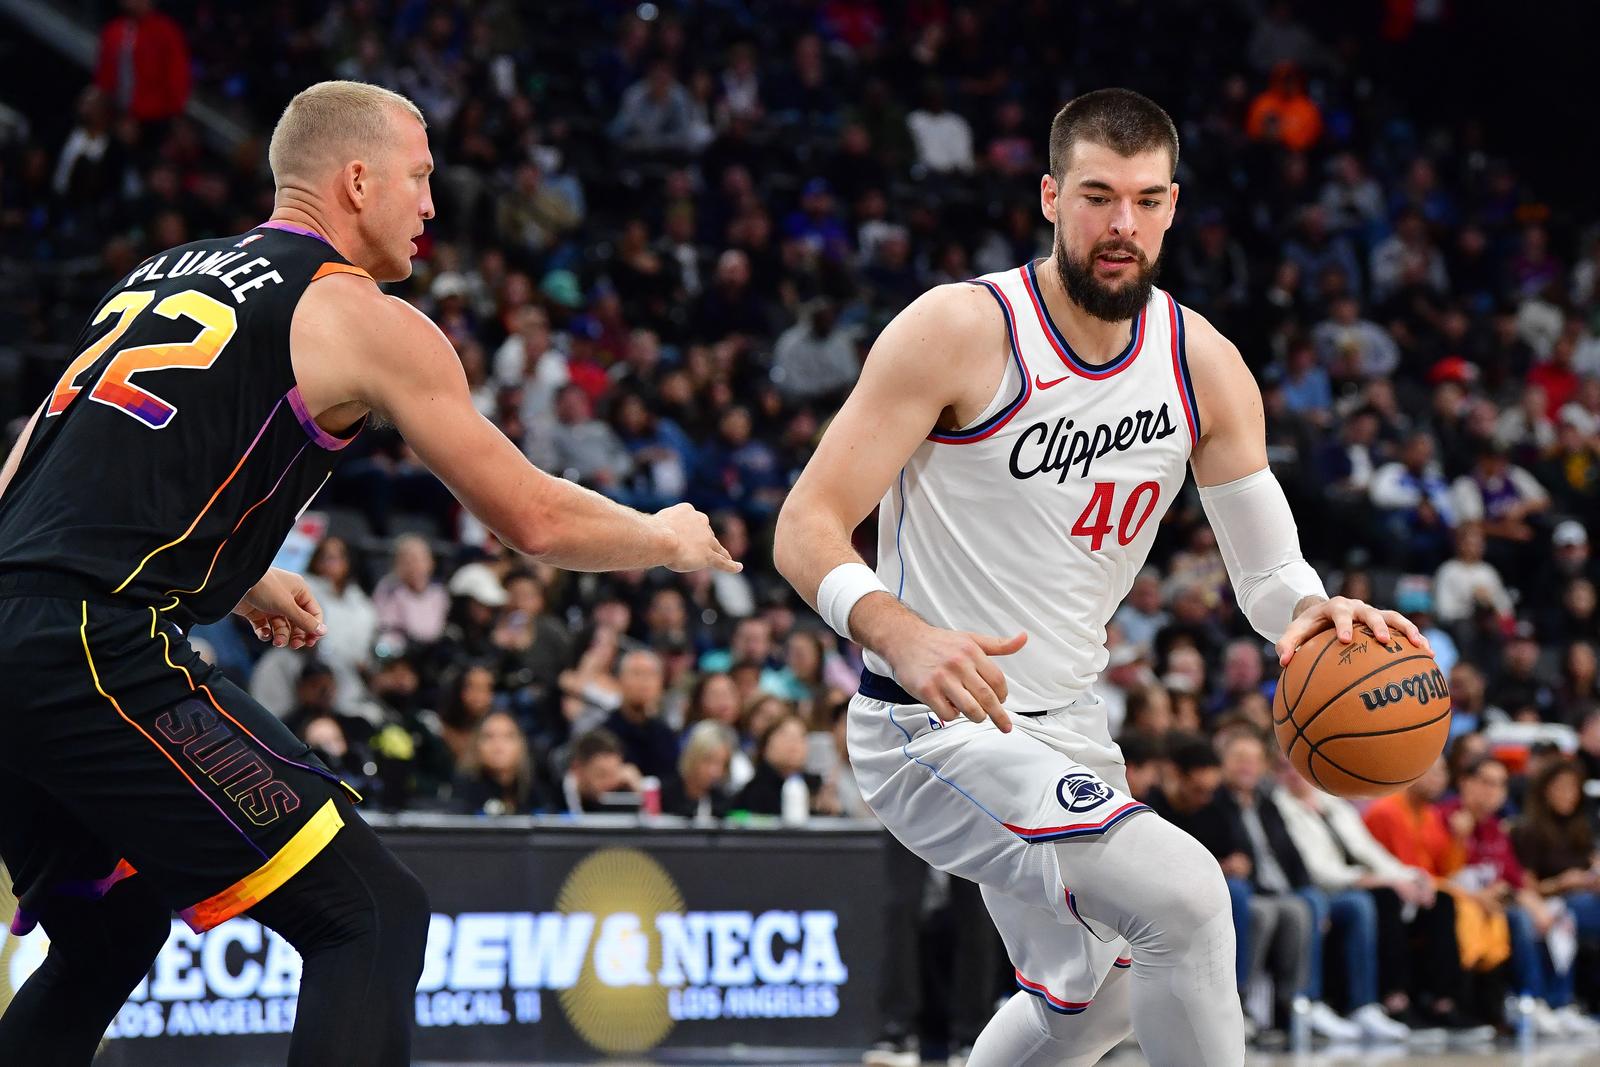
{"points": [[175, 453]]}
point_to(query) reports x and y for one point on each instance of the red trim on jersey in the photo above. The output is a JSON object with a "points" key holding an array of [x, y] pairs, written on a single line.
{"points": [[1177, 371], [1082, 827]]}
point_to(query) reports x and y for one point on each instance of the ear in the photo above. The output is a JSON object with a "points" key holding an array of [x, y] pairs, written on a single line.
{"points": [[1048, 192], [1172, 205], [354, 180]]}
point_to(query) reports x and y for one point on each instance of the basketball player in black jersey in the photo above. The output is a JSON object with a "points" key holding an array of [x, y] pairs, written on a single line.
{"points": [[212, 392]]}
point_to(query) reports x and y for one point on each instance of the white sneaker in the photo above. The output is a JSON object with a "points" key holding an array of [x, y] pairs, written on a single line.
{"points": [[1326, 1022], [1546, 1023], [1376, 1024], [1576, 1023]]}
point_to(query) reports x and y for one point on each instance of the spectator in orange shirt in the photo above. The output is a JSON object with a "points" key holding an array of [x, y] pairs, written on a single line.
{"points": [[1284, 113], [144, 63], [1410, 825]]}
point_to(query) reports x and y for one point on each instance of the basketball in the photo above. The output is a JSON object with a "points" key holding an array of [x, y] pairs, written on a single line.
{"points": [[1363, 719]]}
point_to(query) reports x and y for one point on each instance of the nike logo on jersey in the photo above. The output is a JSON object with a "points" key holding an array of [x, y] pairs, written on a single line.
{"points": [[1042, 384], [1070, 449]]}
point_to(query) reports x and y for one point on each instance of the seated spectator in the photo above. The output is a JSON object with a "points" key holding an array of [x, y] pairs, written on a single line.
{"points": [[1141, 616], [1349, 865], [1284, 113], [586, 449], [1520, 685], [411, 605], [345, 756], [1503, 497], [1243, 675], [942, 137], [497, 775], [1555, 843], [1306, 391], [1467, 584], [350, 616], [1411, 495], [700, 789], [1344, 330], [1487, 874], [596, 772], [780, 756], [647, 742], [801, 680], [815, 360], [1149, 714], [534, 649], [1146, 763], [1408, 252], [468, 699], [656, 116], [316, 693]]}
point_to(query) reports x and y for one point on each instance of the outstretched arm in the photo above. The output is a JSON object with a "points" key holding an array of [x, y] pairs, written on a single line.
{"points": [[912, 376], [352, 344], [1275, 587]]}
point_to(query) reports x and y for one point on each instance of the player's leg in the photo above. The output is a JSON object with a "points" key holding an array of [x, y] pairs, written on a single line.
{"points": [[359, 920], [99, 950], [214, 802], [1155, 886], [1026, 1033], [104, 935], [1045, 1024]]}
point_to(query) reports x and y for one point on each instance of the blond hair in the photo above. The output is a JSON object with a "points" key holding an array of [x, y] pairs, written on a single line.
{"points": [[333, 122]]}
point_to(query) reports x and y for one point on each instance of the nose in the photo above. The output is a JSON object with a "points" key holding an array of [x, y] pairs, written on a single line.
{"points": [[1122, 223]]}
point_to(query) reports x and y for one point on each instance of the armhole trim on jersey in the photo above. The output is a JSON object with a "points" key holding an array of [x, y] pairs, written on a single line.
{"points": [[1180, 371], [322, 438], [988, 427], [333, 267]]}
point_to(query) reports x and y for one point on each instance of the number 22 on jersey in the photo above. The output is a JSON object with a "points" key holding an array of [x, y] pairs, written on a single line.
{"points": [[1095, 522], [115, 387]]}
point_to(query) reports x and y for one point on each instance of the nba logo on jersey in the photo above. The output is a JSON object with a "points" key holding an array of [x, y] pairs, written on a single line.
{"points": [[1081, 792], [251, 237]]}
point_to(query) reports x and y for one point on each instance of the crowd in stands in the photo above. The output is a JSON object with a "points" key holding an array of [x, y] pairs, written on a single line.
{"points": [[666, 238]]}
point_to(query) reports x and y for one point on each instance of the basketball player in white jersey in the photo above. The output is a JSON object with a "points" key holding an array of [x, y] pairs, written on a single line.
{"points": [[1023, 434]]}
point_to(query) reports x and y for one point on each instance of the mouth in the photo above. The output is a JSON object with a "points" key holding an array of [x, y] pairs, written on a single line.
{"points": [[1115, 260]]}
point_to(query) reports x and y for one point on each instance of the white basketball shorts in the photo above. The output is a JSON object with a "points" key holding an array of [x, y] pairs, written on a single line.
{"points": [[979, 803]]}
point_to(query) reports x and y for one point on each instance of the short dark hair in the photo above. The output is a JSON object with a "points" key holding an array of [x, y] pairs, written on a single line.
{"points": [[1124, 121], [597, 742], [1137, 749], [1191, 752]]}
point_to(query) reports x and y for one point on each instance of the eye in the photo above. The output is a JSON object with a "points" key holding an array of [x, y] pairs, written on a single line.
{"points": [[1150, 203], [1095, 200]]}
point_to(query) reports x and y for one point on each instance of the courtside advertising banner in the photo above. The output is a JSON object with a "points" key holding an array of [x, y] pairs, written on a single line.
{"points": [[560, 943]]}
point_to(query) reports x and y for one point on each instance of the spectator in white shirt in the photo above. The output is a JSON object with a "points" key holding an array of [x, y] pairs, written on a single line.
{"points": [[943, 138], [1344, 328], [1468, 580]]}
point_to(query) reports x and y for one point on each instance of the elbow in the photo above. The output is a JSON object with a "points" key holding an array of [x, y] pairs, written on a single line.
{"points": [[535, 535], [786, 539]]}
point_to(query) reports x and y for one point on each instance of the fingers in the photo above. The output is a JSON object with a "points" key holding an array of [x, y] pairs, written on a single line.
{"points": [[1343, 620], [1297, 633], [996, 646], [990, 704], [994, 677], [1399, 622], [1372, 619]]}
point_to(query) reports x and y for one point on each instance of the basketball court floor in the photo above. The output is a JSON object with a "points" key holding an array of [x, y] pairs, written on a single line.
{"points": [[1562, 1055]]}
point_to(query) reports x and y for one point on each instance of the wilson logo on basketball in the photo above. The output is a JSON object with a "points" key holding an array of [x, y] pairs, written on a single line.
{"points": [[1082, 792], [1422, 687]]}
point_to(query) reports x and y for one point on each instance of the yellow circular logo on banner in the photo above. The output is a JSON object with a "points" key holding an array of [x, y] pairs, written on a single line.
{"points": [[616, 1005]]}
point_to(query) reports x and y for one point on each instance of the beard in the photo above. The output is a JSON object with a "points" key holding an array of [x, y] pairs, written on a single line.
{"points": [[1111, 305]]}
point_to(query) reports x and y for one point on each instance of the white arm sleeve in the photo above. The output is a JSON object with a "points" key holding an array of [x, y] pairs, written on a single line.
{"points": [[1259, 543]]}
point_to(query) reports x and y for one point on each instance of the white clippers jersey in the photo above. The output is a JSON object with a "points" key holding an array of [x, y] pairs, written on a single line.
{"points": [[1038, 516]]}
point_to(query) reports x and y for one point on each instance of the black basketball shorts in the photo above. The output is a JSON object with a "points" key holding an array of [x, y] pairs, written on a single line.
{"points": [[122, 753]]}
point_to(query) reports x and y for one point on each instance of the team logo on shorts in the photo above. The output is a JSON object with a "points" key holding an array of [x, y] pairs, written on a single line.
{"points": [[1082, 792]]}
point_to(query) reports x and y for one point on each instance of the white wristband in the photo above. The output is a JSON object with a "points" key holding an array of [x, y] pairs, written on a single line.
{"points": [[839, 591]]}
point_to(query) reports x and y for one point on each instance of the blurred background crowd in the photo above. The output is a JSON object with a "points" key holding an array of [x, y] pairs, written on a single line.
{"points": [[666, 238]]}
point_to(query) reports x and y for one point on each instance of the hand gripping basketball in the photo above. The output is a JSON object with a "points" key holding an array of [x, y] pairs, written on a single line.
{"points": [[1342, 614]]}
